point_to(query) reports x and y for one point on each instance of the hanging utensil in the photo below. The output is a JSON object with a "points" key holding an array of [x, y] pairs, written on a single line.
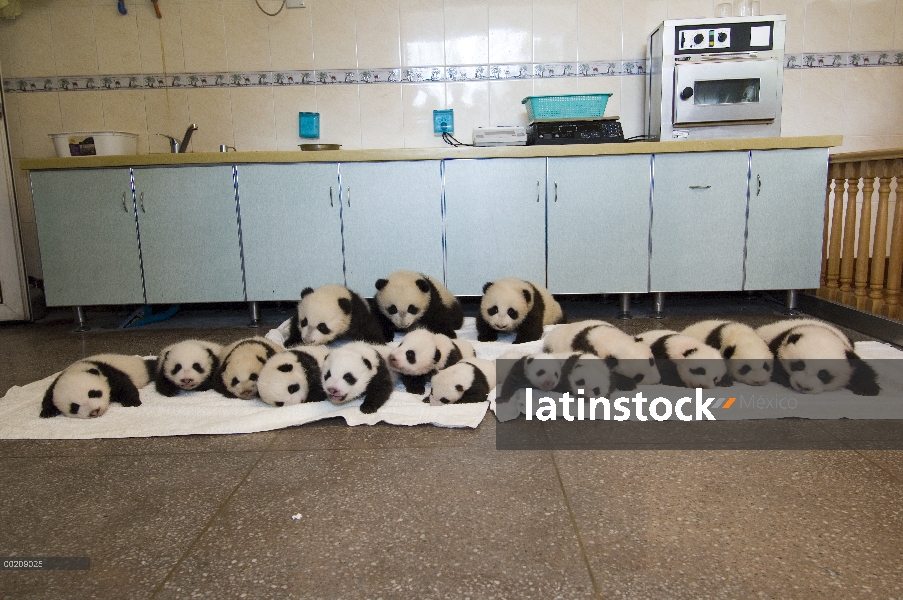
{"points": [[156, 9], [122, 9]]}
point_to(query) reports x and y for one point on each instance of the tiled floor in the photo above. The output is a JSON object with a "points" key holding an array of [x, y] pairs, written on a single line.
{"points": [[422, 512]]}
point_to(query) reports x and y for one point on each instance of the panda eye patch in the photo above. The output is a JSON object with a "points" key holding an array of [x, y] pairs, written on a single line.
{"points": [[392, 310], [95, 394], [322, 328], [797, 365], [512, 313], [766, 366], [580, 382], [253, 377], [411, 356], [351, 379], [284, 368], [293, 388], [639, 376], [234, 381], [176, 369], [197, 367], [459, 387], [744, 369], [651, 362], [327, 375], [698, 371], [413, 310], [824, 376], [541, 372], [596, 391], [304, 322], [73, 408], [94, 371], [492, 310]]}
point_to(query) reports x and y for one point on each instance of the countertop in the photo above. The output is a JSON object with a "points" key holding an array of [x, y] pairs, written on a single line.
{"points": [[438, 153]]}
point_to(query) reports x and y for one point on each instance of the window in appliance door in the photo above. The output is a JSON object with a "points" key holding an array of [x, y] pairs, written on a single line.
{"points": [[726, 91]]}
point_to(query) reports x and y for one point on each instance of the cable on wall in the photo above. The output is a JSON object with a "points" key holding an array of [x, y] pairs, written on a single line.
{"points": [[270, 14]]}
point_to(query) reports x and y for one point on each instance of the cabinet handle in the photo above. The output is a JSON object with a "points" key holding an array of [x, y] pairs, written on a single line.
{"points": [[330, 196], [700, 187], [123, 203], [758, 184], [537, 191], [556, 191], [349, 196], [141, 201]]}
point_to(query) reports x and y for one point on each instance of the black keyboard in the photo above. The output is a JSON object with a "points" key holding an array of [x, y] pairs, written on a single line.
{"points": [[574, 132]]}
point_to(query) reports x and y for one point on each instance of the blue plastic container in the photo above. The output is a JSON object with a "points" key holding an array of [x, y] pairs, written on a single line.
{"points": [[561, 108]]}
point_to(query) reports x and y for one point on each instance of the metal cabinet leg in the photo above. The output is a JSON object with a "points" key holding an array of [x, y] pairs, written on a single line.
{"points": [[80, 320], [624, 313], [658, 305], [791, 310], [254, 312]]}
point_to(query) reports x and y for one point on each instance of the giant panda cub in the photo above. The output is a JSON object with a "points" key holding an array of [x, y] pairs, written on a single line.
{"points": [[407, 299], [332, 312], [354, 370], [814, 357], [468, 381], [685, 361], [573, 372], [85, 389], [630, 361], [749, 360], [422, 353], [514, 305], [189, 365], [538, 371], [293, 377], [240, 366]]}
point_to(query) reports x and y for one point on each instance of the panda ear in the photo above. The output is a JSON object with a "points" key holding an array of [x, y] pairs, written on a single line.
{"points": [[306, 291], [527, 295], [864, 381], [729, 351], [794, 338], [381, 283], [529, 360], [422, 285], [345, 305], [48, 408], [486, 286]]}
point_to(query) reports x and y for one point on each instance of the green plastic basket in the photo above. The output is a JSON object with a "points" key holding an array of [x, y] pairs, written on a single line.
{"points": [[557, 108]]}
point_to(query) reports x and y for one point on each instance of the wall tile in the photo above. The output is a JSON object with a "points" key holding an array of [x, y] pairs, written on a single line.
{"points": [[827, 27], [253, 119], [419, 100], [167, 113], [82, 111], [30, 31], [247, 37], [599, 29], [466, 32], [822, 96], [124, 110], [505, 107], [470, 101], [378, 34], [73, 41], [422, 33], [554, 28], [510, 31], [291, 40], [555, 86], [287, 103], [203, 36], [868, 106], [211, 111], [334, 34], [382, 116], [895, 93], [872, 25], [633, 105], [39, 117], [639, 21], [795, 11], [791, 105], [340, 115], [118, 50], [860, 143], [898, 26], [691, 9], [160, 40]]}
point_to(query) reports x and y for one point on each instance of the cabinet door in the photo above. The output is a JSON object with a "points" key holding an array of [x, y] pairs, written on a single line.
{"points": [[495, 221], [786, 216], [392, 219], [698, 221], [189, 234], [599, 224], [291, 228], [87, 236]]}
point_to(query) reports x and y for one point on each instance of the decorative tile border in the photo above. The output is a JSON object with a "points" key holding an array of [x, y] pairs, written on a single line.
{"points": [[231, 79]]}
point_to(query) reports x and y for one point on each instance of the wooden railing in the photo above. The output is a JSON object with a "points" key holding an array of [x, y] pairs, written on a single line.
{"points": [[859, 268]]}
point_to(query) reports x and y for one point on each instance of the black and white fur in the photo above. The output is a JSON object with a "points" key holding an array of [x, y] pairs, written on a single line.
{"points": [[589, 377], [293, 377], [514, 305], [422, 353], [85, 389], [629, 360], [407, 299], [240, 366], [749, 359], [468, 381], [189, 365], [355, 370], [814, 357], [579, 374], [539, 371], [684, 361], [333, 312]]}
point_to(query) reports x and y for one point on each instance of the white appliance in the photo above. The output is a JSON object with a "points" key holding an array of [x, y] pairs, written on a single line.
{"points": [[500, 135]]}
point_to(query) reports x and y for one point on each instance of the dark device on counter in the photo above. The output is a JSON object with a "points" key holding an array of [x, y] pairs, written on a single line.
{"points": [[591, 131]]}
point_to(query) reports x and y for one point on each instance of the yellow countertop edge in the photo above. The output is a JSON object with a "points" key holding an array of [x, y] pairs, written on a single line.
{"points": [[438, 153]]}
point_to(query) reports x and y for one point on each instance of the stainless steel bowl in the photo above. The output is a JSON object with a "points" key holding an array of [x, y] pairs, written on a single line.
{"points": [[320, 146]]}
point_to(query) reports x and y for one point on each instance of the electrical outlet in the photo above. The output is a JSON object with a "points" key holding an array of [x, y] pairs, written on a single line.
{"points": [[294, 3], [443, 121]]}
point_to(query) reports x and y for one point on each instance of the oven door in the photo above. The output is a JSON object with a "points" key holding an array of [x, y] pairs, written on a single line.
{"points": [[726, 90]]}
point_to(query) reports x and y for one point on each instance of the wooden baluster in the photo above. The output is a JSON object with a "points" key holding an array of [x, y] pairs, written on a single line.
{"points": [[884, 171], [847, 256], [861, 278], [895, 262], [832, 279], [825, 233]]}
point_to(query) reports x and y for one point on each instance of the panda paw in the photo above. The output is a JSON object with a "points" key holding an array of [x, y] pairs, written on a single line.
{"points": [[367, 410]]}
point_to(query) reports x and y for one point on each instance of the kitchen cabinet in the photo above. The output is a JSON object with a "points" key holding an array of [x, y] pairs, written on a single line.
{"points": [[598, 224], [495, 222], [87, 236], [786, 202], [291, 228], [699, 221], [188, 227], [391, 219]]}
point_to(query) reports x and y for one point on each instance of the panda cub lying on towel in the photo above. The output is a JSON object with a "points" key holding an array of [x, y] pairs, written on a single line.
{"points": [[85, 389]]}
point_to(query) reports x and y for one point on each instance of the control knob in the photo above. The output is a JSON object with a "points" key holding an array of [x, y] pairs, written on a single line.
{"points": [[686, 93], [697, 39]]}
